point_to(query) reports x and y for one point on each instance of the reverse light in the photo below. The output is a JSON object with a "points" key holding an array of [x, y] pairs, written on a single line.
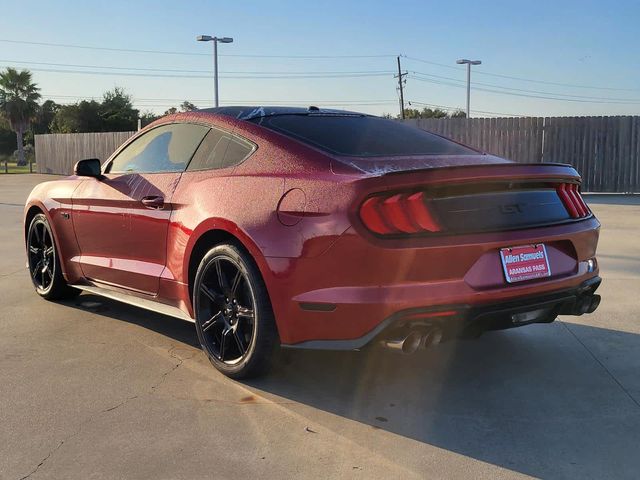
{"points": [[402, 213], [572, 200]]}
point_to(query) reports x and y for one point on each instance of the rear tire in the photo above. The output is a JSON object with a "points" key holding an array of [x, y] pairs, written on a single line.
{"points": [[233, 314], [44, 262]]}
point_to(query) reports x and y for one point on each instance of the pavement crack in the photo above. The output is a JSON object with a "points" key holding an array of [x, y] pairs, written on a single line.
{"points": [[613, 377], [179, 362], [37, 467], [60, 444], [119, 404], [79, 429], [12, 273]]}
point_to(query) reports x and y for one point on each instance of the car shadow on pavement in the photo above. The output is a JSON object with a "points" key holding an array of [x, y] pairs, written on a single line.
{"points": [[177, 329], [559, 400], [534, 400]]}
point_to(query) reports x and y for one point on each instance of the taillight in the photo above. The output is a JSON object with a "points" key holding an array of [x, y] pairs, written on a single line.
{"points": [[572, 200], [402, 213]]}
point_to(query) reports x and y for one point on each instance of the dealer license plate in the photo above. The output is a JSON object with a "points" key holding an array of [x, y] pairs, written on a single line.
{"points": [[525, 262]]}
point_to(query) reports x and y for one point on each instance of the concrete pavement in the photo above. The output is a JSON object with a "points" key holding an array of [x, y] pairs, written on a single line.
{"points": [[94, 389]]}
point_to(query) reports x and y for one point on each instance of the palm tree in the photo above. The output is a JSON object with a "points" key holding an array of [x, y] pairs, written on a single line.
{"points": [[18, 103]]}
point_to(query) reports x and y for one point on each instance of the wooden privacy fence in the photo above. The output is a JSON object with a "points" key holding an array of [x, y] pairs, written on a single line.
{"points": [[605, 150], [58, 152]]}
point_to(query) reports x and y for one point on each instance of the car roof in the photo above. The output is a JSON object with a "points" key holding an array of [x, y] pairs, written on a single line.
{"points": [[245, 112]]}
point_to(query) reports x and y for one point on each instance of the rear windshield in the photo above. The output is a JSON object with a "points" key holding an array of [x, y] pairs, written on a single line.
{"points": [[361, 136]]}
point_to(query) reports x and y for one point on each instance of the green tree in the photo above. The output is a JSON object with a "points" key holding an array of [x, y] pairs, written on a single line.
{"points": [[424, 113], [42, 121], [7, 138], [46, 114], [117, 112], [78, 117], [431, 113], [148, 117], [187, 106], [18, 103]]}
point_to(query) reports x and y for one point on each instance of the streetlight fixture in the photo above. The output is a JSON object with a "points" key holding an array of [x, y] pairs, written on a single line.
{"points": [[215, 40], [468, 63]]}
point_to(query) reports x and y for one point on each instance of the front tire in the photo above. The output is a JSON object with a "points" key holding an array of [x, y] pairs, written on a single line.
{"points": [[233, 314], [44, 263]]}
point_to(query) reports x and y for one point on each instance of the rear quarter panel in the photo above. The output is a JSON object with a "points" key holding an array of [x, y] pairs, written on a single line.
{"points": [[247, 202]]}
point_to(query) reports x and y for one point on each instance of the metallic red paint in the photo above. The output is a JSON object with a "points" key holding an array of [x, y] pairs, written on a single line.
{"points": [[296, 211]]}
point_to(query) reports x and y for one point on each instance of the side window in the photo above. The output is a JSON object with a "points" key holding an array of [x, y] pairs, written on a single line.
{"points": [[237, 151], [164, 149], [220, 149]]}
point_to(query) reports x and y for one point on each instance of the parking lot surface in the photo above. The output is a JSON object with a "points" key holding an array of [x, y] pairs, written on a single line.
{"points": [[94, 389]]}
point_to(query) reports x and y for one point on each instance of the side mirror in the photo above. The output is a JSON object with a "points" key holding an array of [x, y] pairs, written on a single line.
{"points": [[89, 167]]}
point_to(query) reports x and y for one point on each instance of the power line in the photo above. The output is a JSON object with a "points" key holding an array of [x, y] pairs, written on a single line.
{"points": [[209, 72], [356, 102], [443, 65], [297, 103], [169, 52], [449, 107], [526, 90], [523, 79], [577, 100], [314, 74], [302, 57], [166, 102], [292, 104], [236, 77]]}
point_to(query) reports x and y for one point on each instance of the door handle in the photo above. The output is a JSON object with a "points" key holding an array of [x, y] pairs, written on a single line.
{"points": [[153, 201]]}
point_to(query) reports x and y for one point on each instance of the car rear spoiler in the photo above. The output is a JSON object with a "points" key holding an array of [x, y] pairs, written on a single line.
{"points": [[460, 174]]}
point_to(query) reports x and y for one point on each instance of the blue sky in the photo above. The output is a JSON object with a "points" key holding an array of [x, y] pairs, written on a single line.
{"points": [[575, 43]]}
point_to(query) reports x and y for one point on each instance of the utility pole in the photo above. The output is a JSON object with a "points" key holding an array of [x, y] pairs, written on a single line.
{"points": [[468, 63], [400, 79]]}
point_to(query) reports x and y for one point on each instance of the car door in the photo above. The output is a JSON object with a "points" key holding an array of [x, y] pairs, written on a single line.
{"points": [[121, 220]]}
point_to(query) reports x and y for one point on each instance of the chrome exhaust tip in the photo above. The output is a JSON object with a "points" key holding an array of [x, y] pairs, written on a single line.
{"points": [[432, 338], [407, 344], [593, 304], [414, 340]]}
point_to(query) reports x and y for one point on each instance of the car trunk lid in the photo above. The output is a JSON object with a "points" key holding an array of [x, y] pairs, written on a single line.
{"points": [[437, 200]]}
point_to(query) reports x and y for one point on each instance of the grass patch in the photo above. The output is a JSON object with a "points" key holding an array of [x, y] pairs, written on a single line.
{"points": [[13, 168]]}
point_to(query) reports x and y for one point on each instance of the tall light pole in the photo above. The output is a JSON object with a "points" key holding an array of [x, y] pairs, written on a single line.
{"points": [[215, 40], [468, 63]]}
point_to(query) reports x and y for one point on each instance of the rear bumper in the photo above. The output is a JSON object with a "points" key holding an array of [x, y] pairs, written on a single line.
{"points": [[545, 308], [466, 319], [350, 290]]}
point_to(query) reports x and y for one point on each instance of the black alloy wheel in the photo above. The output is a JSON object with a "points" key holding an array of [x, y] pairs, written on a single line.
{"points": [[43, 261], [234, 320], [42, 255]]}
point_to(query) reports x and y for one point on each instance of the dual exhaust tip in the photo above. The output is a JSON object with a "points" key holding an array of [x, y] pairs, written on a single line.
{"points": [[586, 304], [416, 338], [413, 340]]}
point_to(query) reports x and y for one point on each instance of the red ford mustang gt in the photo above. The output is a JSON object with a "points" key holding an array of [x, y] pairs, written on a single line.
{"points": [[313, 228]]}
